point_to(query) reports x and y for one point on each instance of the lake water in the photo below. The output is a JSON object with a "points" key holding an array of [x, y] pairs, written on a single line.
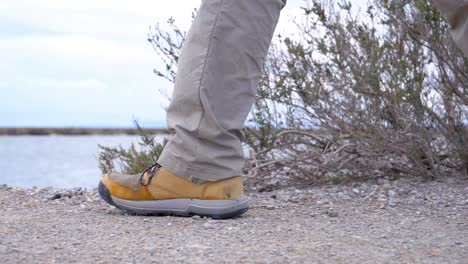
{"points": [[57, 161]]}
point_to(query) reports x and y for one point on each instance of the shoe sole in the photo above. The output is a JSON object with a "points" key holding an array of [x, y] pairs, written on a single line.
{"points": [[216, 209]]}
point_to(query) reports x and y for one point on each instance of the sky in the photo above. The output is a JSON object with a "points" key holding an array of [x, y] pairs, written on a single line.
{"points": [[87, 63]]}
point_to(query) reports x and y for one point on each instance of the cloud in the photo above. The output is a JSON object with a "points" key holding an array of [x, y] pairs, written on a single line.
{"points": [[80, 85], [62, 58], [141, 7], [69, 58], [75, 48], [116, 19]]}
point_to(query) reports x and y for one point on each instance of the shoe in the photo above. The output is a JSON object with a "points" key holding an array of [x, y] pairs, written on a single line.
{"points": [[157, 191]]}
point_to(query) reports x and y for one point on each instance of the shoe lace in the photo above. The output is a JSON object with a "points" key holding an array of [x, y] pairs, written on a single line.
{"points": [[151, 171]]}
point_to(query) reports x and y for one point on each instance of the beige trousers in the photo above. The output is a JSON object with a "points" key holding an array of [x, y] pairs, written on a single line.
{"points": [[217, 78], [457, 17]]}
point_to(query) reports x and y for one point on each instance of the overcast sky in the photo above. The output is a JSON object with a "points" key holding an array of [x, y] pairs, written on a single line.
{"points": [[86, 62]]}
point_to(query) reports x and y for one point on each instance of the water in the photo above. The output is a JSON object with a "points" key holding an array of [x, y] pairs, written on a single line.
{"points": [[57, 161]]}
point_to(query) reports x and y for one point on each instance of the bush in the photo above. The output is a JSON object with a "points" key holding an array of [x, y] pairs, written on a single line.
{"points": [[133, 160], [381, 92]]}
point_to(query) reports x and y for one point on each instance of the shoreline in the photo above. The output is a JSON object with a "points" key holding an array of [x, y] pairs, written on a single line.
{"points": [[45, 131]]}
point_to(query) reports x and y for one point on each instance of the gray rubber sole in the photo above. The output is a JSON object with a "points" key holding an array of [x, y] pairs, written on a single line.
{"points": [[217, 209]]}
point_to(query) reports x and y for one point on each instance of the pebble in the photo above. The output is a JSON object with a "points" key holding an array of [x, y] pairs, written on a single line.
{"points": [[333, 214], [392, 203], [342, 196], [56, 196], [283, 197], [208, 225]]}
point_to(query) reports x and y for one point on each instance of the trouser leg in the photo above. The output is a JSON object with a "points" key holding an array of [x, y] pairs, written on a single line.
{"points": [[217, 78], [457, 17]]}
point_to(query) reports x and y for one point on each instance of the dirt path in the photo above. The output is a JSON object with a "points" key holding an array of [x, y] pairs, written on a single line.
{"points": [[389, 222]]}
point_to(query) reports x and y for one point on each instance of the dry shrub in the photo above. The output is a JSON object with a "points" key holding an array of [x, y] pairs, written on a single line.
{"points": [[380, 92]]}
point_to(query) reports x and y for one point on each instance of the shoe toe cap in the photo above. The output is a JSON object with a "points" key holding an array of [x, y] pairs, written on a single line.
{"points": [[104, 193]]}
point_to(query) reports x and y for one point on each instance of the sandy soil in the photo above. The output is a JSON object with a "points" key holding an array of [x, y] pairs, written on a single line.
{"points": [[405, 221]]}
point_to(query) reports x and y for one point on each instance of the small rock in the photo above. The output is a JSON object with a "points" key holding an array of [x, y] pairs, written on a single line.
{"points": [[333, 214], [208, 226], [342, 196], [56, 196], [392, 202], [283, 197], [71, 201], [68, 193], [382, 181]]}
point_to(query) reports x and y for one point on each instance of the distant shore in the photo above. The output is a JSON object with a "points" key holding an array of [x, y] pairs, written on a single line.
{"points": [[21, 131]]}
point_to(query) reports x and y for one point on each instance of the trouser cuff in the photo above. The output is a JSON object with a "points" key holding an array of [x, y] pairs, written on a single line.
{"points": [[193, 173]]}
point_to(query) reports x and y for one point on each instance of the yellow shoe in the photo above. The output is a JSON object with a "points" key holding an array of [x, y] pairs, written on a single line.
{"points": [[159, 191]]}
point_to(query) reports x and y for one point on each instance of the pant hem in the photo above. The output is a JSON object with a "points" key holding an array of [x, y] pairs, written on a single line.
{"points": [[192, 173]]}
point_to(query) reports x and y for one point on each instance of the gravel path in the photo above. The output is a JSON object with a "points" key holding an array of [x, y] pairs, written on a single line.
{"points": [[374, 222]]}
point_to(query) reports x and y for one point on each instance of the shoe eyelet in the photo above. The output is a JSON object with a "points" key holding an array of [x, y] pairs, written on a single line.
{"points": [[151, 170]]}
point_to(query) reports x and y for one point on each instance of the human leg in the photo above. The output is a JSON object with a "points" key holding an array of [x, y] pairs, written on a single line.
{"points": [[218, 73], [217, 78]]}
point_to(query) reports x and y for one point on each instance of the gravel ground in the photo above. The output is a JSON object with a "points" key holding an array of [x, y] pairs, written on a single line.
{"points": [[404, 221]]}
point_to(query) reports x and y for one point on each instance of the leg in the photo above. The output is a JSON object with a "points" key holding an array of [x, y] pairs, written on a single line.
{"points": [[217, 78], [216, 82], [457, 15]]}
